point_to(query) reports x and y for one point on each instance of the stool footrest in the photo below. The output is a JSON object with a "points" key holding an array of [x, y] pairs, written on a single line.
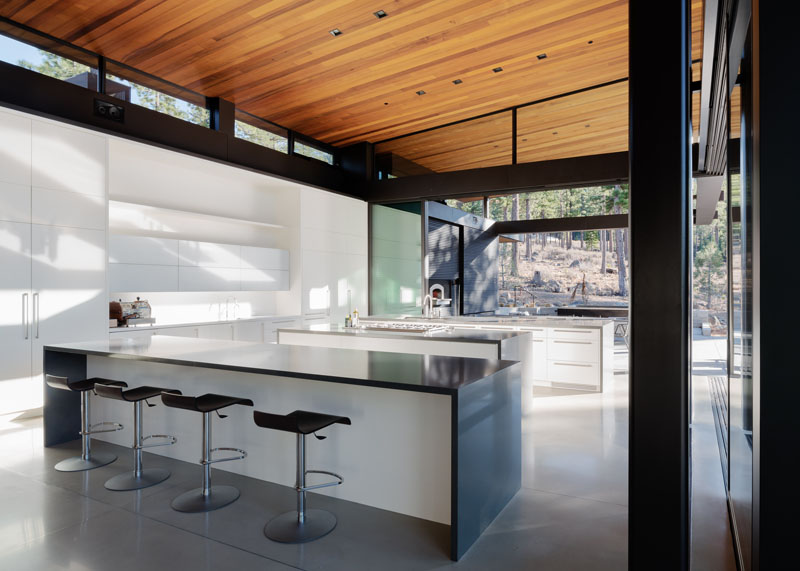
{"points": [[170, 441], [115, 427], [338, 481], [242, 455]]}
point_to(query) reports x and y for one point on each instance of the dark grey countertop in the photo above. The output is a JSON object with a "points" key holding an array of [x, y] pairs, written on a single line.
{"points": [[460, 335], [403, 371]]}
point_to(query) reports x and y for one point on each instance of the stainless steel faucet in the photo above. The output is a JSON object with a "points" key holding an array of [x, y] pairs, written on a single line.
{"points": [[427, 306]]}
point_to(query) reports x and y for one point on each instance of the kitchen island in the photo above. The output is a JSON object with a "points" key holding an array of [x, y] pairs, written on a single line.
{"points": [[436, 340], [434, 437], [566, 352]]}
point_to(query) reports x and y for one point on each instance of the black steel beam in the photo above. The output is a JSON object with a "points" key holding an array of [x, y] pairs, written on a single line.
{"points": [[223, 115], [35, 93], [561, 224], [660, 218], [776, 392], [579, 171]]}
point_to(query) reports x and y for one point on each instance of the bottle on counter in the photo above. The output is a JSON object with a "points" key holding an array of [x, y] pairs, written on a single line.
{"points": [[354, 320], [348, 321]]}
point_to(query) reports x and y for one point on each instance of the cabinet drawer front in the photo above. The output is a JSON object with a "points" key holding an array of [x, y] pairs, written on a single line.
{"points": [[577, 334], [584, 351], [15, 202], [539, 359], [573, 373], [536, 332], [142, 278]]}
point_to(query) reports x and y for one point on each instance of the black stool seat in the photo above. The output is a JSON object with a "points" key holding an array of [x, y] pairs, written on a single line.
{"points": [[87, 460], [132, 395], [204, 403], [298, 422], [82, 385]]}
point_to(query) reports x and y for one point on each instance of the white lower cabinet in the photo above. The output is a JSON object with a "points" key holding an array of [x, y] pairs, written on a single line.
{"points": [[216, 331], [252, 331], [183, 331], [587, 374], [539, 357]]}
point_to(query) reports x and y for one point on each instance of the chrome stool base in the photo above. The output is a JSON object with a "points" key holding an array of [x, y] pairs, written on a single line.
{"points": [[78, 464], [194, 501], [286, 529], [130, 481]]}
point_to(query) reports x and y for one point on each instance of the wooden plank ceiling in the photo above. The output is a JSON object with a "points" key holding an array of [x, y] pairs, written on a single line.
{"points": [[277, 60]]}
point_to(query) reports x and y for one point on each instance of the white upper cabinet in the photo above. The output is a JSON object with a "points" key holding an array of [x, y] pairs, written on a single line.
{"points": [[15, 202], [15, 149], [264, 258], [71, 209], [64, 158], [142, 263], [209, 255], [142, 250]]}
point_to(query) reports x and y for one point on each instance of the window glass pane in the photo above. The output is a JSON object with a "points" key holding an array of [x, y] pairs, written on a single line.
{"points": [[31, 53], [562, 203], [587, 267], [396, 256], [260, 132], [308, 151], [472, 206], [140, 89]]}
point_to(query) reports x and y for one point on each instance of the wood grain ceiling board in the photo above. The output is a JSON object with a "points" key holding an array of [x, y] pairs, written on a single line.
{"points": [[484, 142], [736, 113], [276, 59], [587, 123]]}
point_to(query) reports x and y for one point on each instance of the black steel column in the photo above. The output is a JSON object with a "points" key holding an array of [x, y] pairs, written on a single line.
{"points": [[776, 390], [660, 215], [223, 115]]}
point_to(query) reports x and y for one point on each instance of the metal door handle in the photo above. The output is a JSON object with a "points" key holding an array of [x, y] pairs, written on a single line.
{"points": [[25, 314], [574, 342], [572, 364], [36, 313]]}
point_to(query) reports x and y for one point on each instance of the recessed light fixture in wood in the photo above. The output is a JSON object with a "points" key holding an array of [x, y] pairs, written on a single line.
{"points": [[420, 92], [541, 56], [335, 32], [379, 14], [457, 82], [497, 69]]}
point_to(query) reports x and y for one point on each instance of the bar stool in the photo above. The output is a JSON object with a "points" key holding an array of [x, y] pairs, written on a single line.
{"points": [[87, 460], [207, 497], [301, 525], [140, 477]]}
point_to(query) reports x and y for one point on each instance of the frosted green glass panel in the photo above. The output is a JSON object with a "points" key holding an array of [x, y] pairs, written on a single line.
{"points": [[396, 259]]}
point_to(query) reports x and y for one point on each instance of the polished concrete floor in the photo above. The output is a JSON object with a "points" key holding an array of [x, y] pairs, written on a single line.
{"points": [[571, 513]]}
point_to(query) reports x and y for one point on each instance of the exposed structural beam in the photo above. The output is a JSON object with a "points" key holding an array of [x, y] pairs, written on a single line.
{"points": [[708, 196], [709, 45], [660, 218], [609, 221], [560, 173]]}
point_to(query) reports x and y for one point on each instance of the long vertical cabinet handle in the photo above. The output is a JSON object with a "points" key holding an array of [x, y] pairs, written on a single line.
{"points": [[36, 313], [25, 315]]}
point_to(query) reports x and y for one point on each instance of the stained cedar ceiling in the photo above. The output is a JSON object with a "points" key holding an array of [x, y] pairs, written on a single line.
{"points": [[277, 60]]}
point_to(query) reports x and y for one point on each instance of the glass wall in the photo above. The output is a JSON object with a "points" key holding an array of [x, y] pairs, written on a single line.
{"points": [[256, 130], [395, 259]]}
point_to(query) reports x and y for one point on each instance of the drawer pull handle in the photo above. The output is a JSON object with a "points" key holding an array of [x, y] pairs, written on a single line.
{"points": [[575, 342], [574, 330], [572, 365], [537, 340]]}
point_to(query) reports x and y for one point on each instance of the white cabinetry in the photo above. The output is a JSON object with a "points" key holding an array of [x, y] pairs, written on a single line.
{"points": [[142, 263], [334, 251], [52, 247]]}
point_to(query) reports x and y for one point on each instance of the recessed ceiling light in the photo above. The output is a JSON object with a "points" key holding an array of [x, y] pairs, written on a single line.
{"points": [[457, 82], [587, 126], [386, 103], [591, 41], [497, 69], [335, 32], [555, 132], [420, 92], [541, 56], [379, 14], [524, 140]]}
